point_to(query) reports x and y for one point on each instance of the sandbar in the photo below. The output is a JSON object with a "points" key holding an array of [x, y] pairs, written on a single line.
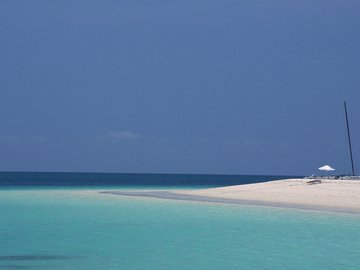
{"points": [[329, 195]]}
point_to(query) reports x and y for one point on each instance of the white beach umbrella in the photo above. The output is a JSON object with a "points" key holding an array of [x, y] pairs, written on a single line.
{"points": [[326, 168]]}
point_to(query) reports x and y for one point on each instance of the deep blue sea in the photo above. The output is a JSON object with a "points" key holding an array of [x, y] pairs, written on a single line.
{"points": [[37, 179], [60, 221]]}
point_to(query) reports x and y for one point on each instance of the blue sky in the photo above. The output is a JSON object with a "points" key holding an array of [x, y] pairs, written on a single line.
{"points": [[232, 87]]}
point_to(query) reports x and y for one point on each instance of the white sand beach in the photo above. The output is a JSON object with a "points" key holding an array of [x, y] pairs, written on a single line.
{"points": [[329, 195]]}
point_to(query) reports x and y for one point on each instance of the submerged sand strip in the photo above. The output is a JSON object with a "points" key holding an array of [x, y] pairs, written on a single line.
{"points": [[330, 195]]}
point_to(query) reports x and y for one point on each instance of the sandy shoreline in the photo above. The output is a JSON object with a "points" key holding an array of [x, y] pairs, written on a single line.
{"points": [[330, 195]]}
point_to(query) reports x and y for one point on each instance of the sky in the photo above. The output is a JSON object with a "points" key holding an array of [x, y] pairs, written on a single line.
{"points": [[179, 86]]}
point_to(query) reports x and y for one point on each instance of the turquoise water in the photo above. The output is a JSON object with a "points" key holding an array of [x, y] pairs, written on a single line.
{"points": [[67, 229]]}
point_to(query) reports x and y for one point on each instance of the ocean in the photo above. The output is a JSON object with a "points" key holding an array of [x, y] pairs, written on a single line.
{"points": [[61, 222], [135, 180]]}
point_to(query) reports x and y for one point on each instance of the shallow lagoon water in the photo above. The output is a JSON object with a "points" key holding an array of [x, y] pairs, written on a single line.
{"points": [[70, 229]]}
